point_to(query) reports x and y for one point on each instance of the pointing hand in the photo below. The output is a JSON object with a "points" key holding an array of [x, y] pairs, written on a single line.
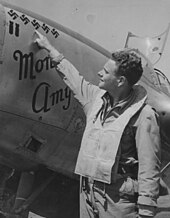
{"points": [[42, 41]]}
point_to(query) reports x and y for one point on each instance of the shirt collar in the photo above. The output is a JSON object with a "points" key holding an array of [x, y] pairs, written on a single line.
{"points": [[137, 92]]}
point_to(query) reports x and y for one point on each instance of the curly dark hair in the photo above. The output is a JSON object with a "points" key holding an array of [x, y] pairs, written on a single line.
{"points": [[129, 65]]}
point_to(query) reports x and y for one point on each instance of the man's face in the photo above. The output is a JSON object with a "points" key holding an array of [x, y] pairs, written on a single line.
{"points": [[108, 78]]}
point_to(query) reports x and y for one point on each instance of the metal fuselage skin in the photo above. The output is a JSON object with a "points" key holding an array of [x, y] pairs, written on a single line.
{"points": [[41, 123]]}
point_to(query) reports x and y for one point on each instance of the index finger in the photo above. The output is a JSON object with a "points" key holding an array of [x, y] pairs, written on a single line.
{"points": [[38, 33]]}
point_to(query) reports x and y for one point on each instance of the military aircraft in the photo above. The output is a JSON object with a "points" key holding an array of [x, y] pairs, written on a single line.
{"points": [[41, 123]]}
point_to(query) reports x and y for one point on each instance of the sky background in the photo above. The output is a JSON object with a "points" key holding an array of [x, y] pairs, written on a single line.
{"points": [[108, 22]]}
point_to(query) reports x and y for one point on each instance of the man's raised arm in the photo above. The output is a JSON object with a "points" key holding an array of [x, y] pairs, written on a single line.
{"points": [[84, 91]]}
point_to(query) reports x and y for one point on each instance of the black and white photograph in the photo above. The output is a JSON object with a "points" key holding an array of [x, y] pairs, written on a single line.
{"points": [[84, 109]]}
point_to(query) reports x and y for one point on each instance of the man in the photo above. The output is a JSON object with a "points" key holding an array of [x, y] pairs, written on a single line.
{"points": [[119, 158]]}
